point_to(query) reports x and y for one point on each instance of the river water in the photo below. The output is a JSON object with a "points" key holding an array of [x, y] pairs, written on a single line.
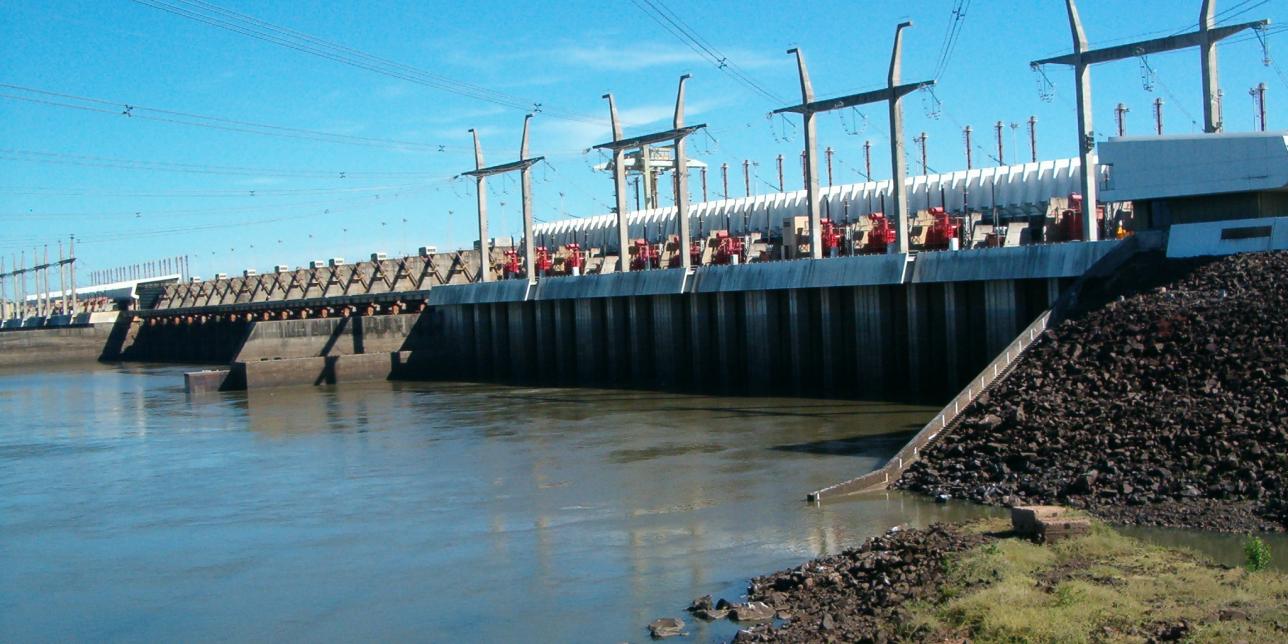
{"points": [[446, 512], [132, 511]]}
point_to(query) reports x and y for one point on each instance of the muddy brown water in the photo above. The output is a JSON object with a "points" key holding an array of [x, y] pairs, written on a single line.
{"points": [[130, 510]]}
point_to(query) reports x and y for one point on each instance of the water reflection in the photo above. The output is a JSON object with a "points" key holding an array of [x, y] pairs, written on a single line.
{"points": [[441, 512]]}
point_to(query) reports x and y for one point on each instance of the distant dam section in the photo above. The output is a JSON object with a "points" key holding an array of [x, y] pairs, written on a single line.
{"points": [[86, 338]]}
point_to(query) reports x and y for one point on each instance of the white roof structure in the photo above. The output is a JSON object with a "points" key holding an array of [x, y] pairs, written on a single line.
{"points": [[1013, 189], [125, 289], [1152, 167]]}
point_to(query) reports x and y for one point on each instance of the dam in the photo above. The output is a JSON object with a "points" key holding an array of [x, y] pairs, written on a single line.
{"points": [[912, 326]]}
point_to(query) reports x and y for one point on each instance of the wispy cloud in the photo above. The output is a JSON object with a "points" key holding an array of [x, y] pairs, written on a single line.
{"points": [[579, 135], [611, 57]]}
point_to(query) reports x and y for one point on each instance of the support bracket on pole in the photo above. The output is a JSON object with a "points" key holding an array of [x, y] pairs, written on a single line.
{"points": [[1082, 58], [480, 174], [891, 93], [619, 146]]}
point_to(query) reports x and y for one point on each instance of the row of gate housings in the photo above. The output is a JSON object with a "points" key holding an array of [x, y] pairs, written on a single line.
{"points": [[406, 275]]}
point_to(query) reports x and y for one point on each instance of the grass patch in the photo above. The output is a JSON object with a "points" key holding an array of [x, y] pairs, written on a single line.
{"points": [[1103, 586]]}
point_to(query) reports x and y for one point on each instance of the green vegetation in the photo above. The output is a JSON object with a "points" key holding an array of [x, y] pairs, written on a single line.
{"points": [[1256, 554], [1099, 587]]}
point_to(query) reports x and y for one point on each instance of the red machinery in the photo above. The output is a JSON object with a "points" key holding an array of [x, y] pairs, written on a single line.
{"points": [[942, 231], [727, 247], [646, 256], [831, 235], [544, 263], [1071, 219], [575, 264], [512, 267], [880, 236], [695, 254]]}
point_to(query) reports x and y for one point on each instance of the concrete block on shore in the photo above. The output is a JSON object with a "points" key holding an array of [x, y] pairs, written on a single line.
{"points": [[1047, 523]]}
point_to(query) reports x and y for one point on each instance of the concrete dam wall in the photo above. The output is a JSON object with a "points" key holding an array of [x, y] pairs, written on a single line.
{"points": [[907, 327], [220, 340], [68, 344], [889, 327], [900, 342]]}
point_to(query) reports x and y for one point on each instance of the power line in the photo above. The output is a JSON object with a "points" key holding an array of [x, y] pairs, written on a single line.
{"points": [[131, 110], [161, 232], [197, 211], [1220, 15], [672, 22], [951, 38], [1224, 14], [228, 20], [36, 156], [38, 191]]}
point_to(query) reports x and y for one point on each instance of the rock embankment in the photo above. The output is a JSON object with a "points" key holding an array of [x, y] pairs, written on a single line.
{"points": [[856, 595], [1167, 407]]}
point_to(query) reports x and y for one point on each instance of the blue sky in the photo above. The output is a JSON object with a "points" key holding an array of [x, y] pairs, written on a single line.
{"points": [[363, 170]]}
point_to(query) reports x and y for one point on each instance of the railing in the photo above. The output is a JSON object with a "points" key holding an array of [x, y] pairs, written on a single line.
{"points": [[883, 476]]}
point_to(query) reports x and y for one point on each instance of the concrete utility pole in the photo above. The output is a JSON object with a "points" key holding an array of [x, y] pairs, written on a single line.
{"points": [[524, 167], [62, 284], [646, 170], [619, 188], [724, 180], [703, 173], [828, 152], [1001, 156], [619, 146], [42, 283], [1120, 115], [867, 160], [893, 94], [1258, 95], [682, 177], [920, 140], [782, 187], [966, 135], [1033, 139], [1082, 59], [71, 270], [1158, 116], [746, 176], [22, 285], [480, 187]]}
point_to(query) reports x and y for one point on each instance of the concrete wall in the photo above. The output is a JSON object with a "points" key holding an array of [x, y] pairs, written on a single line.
{"points": [[326, 337], [320, 370], [224, 342], [208, 342], [26, 347], [1228, 237], [908, 341]]}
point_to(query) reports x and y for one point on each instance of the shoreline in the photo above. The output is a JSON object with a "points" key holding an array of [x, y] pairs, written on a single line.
{"points": [[1159, 404], [979, 581]]}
